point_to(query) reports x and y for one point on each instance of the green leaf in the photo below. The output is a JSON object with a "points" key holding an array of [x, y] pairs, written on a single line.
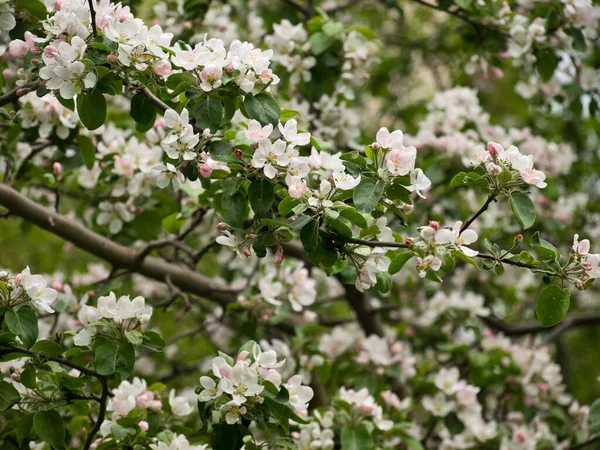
{"points": [[9, 396], [460, 255], [579, 42], [547, 61], [49, 426], [24, 427], [28, 377], [464, 4], [34, 7], [310, 235], [399, 261], [356, 438], [367, 194], [543, 248], [91, 109], [143, 110], [225, 437], [287, 205], [47, 347], [340, 226], [354, 216], [552, 305], [87, 149], [208, 112], [110, 358], [262, 107], [594, 416], [261, 195], [23, 323], [222, 151], [235, 209], [523, 208], [319, 42]]}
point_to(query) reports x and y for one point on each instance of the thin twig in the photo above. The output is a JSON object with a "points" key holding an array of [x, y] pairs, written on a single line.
{"points": [[101, 414], [13, 95], [93, 18], [484, 207]]}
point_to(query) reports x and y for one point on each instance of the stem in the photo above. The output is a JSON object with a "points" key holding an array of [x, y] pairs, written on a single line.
{"points": [[490, 199], [101, 414], [93, 17]]}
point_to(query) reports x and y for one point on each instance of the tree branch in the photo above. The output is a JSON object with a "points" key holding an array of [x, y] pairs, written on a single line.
{"points": [[101, 414], [573, 320], [467, 224], [93, 17], [13, 95], [120, 256]]}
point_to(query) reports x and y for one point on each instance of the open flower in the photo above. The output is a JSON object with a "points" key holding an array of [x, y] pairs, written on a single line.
{"points": [[457, 239], [36, 288]]}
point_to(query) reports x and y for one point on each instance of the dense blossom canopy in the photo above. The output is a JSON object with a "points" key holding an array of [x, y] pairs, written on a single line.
{"points": [[299, 224]]}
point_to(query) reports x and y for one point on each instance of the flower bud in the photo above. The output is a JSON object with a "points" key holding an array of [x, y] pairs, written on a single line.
{"points": [[518, 238], [309, 316], [57, 285], [111, 58], [206, 170], [250, 236], [222, 226], [375, 145], [278, 259], [407, 208], [206, 133], [434, 224], [143, 425], [494, 148], [37, 50], [57, 168], [238, 153], [247, 252], [409, 241], [494, 169], [18, 279], [16, 376]]}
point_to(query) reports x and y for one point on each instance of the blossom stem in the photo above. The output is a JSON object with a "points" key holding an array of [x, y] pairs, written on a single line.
{"points": [[467, 224]]}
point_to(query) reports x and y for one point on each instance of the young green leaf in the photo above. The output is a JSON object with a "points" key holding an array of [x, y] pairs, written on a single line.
{"points": [[91, 109], [261, 195], [523, 208], [24, 323], [367, 194], [552, 305], [262, 107]]}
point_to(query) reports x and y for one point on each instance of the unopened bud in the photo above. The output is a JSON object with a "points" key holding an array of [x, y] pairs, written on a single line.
{"points": [[494, 148], [36, 50], [409, 241], [143, 425], [587, 266], [247, 252], [57, 168], [36, 62], [222, 226], [206, 170], [278, 259], [238, 153], [579, 285], [15, 376], [111, 58], [57, 285], [375, 145], [21, 92], [518, 238], [434, 224], [250, 236], [494, 169], [206, 133], [407, 208], [18, 279]]}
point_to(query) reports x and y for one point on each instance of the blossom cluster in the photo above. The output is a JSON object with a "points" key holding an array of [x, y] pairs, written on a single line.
{"points": [[237, 387], [25, 288]]}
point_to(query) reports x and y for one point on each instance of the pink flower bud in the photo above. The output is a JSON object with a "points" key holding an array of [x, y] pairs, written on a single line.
{"points": [[36, 50], [375, 145], [57, 5], [243, 355], [18, 279], [494, 169], [409, 241], [407, 208], [247, 252], [187, 25], [206, 170], [162, 68], [250, 236], [587, 266], [222, 226], [433, 224], [278, 259], [519, 238], [206, 133], [57, 285], [21, 92], [238, 153], [143, 425], [57, 168], [494, 148], [111, 58], [579, 285], [498, 73], [17, 48]]}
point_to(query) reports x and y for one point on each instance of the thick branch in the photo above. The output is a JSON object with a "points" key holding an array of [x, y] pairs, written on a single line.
{"points": [[119, 256]]}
